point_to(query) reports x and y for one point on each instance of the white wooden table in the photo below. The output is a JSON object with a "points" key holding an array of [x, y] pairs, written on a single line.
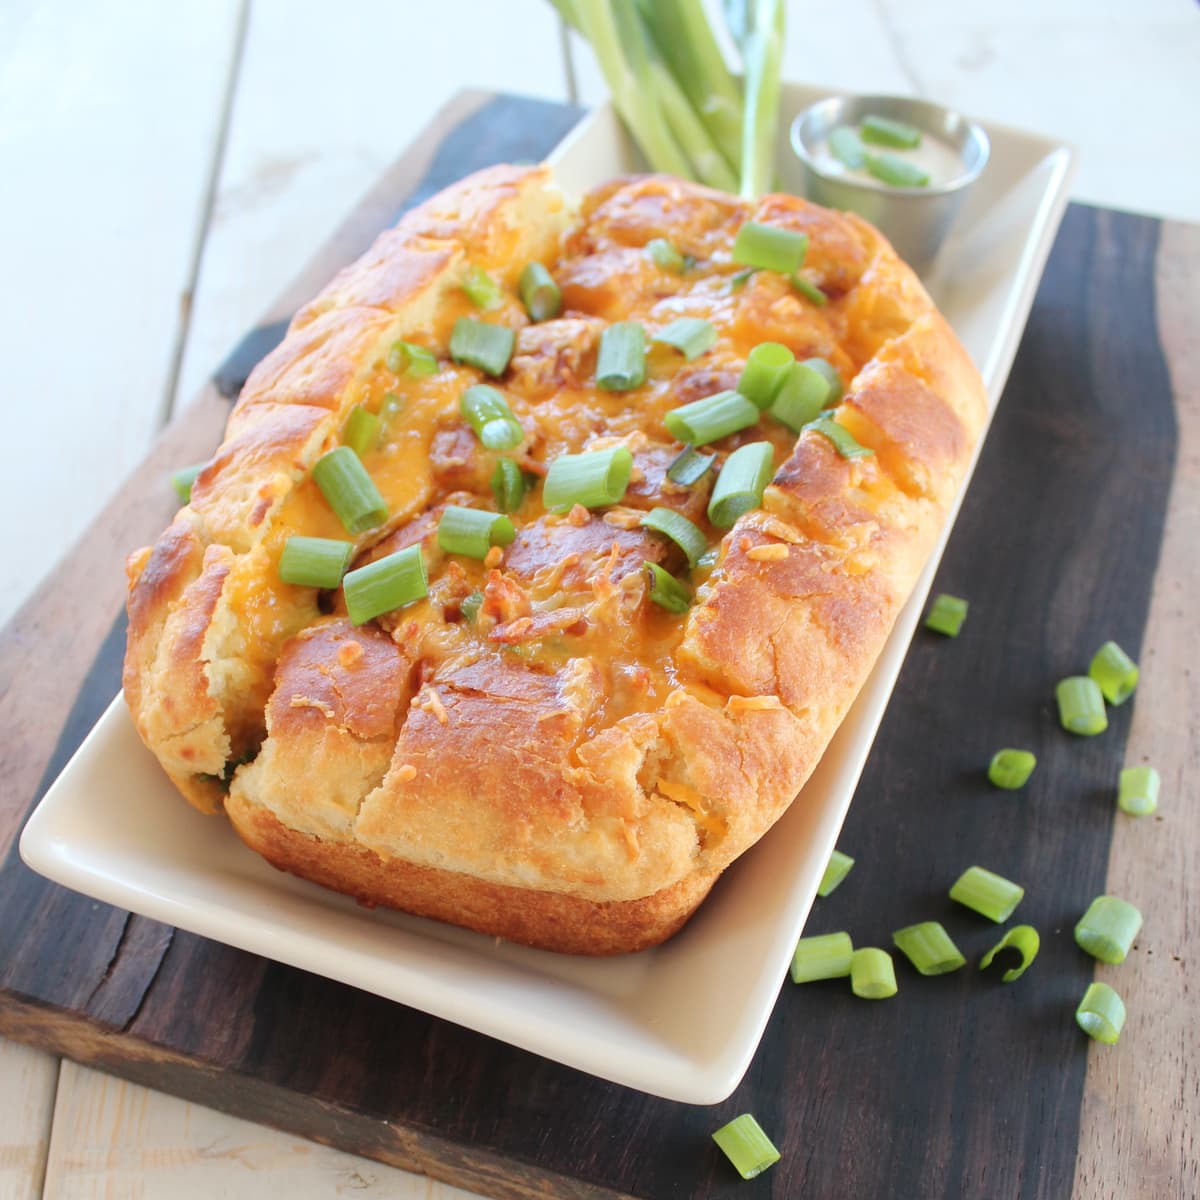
{"points": [[163, 171]]}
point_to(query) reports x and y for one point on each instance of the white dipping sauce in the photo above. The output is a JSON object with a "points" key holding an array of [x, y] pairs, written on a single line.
{"points": [[941, 161]]}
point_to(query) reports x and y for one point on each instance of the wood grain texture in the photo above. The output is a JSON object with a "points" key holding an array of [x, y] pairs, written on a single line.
{"points": [[26, 1109], [957, 1087]]}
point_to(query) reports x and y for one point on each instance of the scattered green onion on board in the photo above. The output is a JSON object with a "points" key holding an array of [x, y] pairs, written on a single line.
{"points": [[361, 430], [508, 485], [826, 956], [407, 358], [884, 131], [766, 368], [801, 397], [711, 418], [1106, 931], [595, 479], [842, 440], [1115, 673], [664, 255], [621, 363], [929, 948], [1101, 1013], [487, 412], [741, 483], [836, 869], [349, 490], [1025, 941], [691, 336], [1137, 791], [770, 248], [846, 146], [946, 615], [746, 1146], [896, 171], [480, 344], [182, 480], [674, 525], [832, 377], [988, 894], [809, 290], [473, 531], [666, 591], [541, 296], [386, 584], [314, 562], [872, 974], [1011, 769], [689, 466], [482, 290], [1081, 705]]}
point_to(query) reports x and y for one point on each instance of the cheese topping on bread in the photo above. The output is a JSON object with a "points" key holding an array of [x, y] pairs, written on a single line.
{"points": [[536, 749]]}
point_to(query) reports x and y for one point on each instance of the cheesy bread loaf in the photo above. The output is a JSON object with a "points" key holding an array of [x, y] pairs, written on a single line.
{"points": [[541, 746]]}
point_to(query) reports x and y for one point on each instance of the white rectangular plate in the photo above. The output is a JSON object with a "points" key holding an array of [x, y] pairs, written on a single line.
{"points": [[676, 1021]]}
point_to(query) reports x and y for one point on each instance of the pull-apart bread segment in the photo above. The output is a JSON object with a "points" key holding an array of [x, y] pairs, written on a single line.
{"points": [[541, 746]]}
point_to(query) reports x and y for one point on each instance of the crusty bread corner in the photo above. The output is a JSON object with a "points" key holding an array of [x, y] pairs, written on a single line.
{"points": [[496, 797]]}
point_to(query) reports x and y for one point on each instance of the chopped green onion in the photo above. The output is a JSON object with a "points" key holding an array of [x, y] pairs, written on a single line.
{"points": [[478, 344], [746, 1146], [1106, 931], [884, 131], [739, 279], [896, 171], [487, 412], [809, 290], [766, 368], [349, 490], [664, 255], [831, 377], [929, 948], [594, 479], [711, 418], [1115, 672], [1011, 769], [990, 895], [801, 398], [471, 605], [508, 485], [846, 146], [666, 591], [824, 957], [183, 479], [541, 296], [836, 869], [621, 364], [1101, 1013], [689, 466], [1137, 791], [770, 248], [691, 336], [842, 439], [314, 562], [741, 483], [1021, 938], [407, 358], [472, 531], [872, 974], [361, 430], [947, 615], [385, 584], [1081, 705], [482, 290], [679, 529]]}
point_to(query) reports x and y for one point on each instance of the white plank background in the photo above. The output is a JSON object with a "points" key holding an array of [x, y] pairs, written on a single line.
{"points": [[164, 169]]}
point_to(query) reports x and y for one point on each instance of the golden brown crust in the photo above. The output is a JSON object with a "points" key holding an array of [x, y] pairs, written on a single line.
{"points": [[571, 767]]}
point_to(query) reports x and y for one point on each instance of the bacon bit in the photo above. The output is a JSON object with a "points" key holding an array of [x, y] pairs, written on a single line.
{"points": [[754, 703], [770, 552], [431, 702], [493, 556], [309, 702], [406, 773], [571, 621], [349, 653], [503, 599], [578, 516], [622, 518], [456, 572], [260, 509]]}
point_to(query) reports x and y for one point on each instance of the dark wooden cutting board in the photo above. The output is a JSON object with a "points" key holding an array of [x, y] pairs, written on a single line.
{"points": [[1080, 526]]}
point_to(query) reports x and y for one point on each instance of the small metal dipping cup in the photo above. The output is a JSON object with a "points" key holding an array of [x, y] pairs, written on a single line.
{"points": [[915, 220]]}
